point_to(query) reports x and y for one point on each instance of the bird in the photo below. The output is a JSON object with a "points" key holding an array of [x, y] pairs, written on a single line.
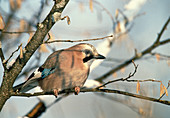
{"points": [[63, 69]]}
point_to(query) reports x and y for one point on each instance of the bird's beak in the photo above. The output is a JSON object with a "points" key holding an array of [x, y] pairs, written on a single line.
{"points": [[99, 56]]}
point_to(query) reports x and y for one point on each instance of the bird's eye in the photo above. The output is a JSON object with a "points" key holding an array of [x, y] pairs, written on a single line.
{"points": [[87, 52]]}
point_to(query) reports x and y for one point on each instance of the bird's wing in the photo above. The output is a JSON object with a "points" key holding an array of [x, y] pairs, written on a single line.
{"points": [[40, 73], [32, 80]]}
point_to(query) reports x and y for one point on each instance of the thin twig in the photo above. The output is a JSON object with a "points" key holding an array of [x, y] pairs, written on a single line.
{"points": [[94, 90], [71, 41], [137, 57], [161, 55], [106, 10], [13, 53], [2, 56], [49, 37], [121, 79], [146, 80], [10, 32], [162, 31]]}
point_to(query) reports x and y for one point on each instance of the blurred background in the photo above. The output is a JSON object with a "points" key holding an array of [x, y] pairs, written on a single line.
{"points": [[135, 24]]}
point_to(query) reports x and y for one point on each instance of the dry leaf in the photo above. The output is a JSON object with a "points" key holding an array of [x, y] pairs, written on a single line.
{"points": [[114, 74], [19, 3], [118, 27], [157, 57], [81, 6], [161, 89], [21, 52], [141, 111], [22, 25], [12, 4], [137, 87], [43, 48], [68, 20], [122, 70], [91, 5], [2, 23], [116, 13], [168, 62], [31, 34], [166, 91]]}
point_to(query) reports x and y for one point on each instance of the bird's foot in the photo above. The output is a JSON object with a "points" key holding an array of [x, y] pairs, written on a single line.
{"points": [[55, 92], [77, 90]]}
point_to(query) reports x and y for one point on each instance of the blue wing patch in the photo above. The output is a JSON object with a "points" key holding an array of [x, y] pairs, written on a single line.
{"points": [[47, 72]]}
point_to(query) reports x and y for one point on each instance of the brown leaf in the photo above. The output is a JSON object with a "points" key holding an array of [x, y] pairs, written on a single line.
{"points": [[68, 20], [141, 111], [168, 62], [118, 28], [2, 23], [31, 34], [116, 13], [166, 91], [43, 48], [81, 6], [21, 52], [12, 4], [114, 74], [137, 87], [157, 57], [22, 25], [161, 89], [122, 70], [18, 3], [91, 5]]}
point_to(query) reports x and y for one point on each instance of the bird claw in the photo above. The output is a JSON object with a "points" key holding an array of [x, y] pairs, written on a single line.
{"points": [[55, 92], [77, 90]]}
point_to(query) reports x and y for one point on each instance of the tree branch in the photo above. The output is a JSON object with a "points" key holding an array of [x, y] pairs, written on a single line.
{"points": [[2, 56], [162, 31], [94, 90], [139, 55], [71, 41], [13, 32], [13, 54], [121, 79], [42, 29]]}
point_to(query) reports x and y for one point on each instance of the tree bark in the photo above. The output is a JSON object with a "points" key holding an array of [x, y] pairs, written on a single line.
{"points": [[43, 28]]}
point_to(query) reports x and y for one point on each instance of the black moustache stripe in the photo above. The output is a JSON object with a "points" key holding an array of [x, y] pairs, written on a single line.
{"points": [[86, 59]]}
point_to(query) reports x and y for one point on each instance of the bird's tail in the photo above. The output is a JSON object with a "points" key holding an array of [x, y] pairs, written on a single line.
{"points": [[25, 86], [18, 87]]}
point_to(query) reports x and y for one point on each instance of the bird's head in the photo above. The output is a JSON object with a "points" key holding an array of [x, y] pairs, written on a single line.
{"points": [[89, 52]]}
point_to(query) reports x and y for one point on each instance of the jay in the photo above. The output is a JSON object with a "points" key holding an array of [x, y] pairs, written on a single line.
{"points": [[63, 69]]}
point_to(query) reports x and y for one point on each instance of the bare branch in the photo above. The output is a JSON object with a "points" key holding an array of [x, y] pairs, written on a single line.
{"points": [[40, 108], [11, 32], [106, 10], [71, 41], [163, 56], [13, 53], [37, 110], [94, 90], [121, 79], [2, 56], [138, 56], [42, 30], [146, 80], [162, 31]]}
